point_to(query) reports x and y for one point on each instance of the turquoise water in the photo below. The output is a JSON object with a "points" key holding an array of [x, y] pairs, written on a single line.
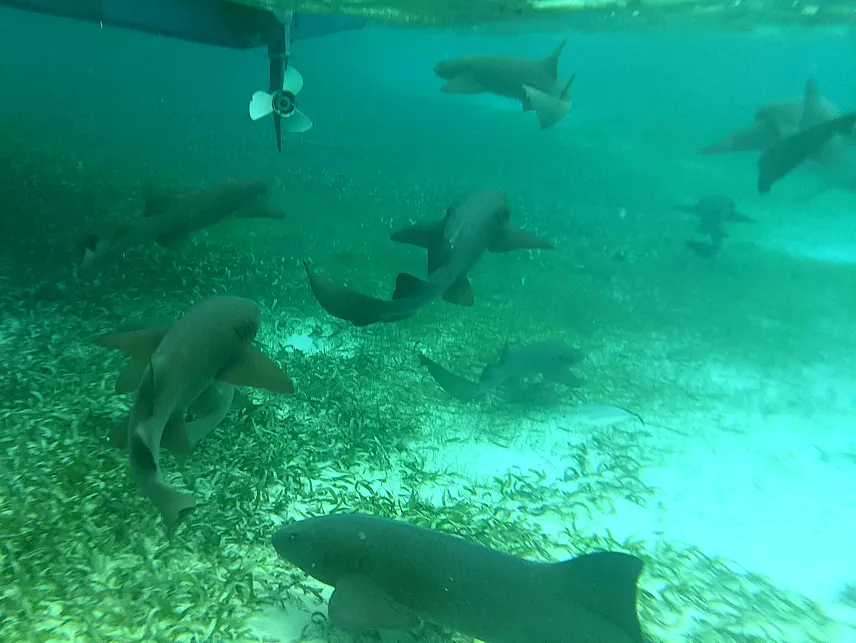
{"points": [[737, 492]]}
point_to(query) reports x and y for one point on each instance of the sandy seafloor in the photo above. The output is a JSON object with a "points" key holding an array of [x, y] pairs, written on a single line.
{"points": [[764, 478], [742, 478]]}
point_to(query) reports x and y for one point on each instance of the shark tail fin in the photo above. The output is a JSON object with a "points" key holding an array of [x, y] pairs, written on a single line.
{"points": [[347, 304], [174, 505], [551, 62], [582, 580], [549, 109], [455, 386]]}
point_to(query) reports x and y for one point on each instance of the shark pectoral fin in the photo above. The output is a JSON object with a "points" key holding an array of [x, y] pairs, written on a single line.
{"points": [[549, 109], [527, 103], [407, 285], [211, 407], [510, 239], [463, 84], [344, 303], [358, 604], [131, 376], [174, 435], [136, 343], [460, 292], [565, 377], [425, 235], [254, 368], [604, 583], [157, 201]]}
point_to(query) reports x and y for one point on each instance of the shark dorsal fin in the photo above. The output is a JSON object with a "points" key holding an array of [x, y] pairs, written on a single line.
{"points": [[581, 580], [814, 111], [157, 201], [551, 62]]}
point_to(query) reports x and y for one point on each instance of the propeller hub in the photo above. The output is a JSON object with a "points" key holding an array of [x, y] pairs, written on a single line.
{"points": [[284, 103]]}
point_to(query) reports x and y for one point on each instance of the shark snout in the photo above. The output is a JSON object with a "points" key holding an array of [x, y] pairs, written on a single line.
{"points": [[444, 70]]}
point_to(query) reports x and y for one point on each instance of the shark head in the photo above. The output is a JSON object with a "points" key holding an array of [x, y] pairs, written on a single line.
{"points": [[448, 69], [325, 547], [568, 355]]}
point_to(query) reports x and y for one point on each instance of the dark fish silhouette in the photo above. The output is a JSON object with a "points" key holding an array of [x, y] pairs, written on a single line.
{"points": [[713, 212], [169, 219], [475, 224], [211, 342], [549, 359], [533, 82], [391, 575], [778, 160]]}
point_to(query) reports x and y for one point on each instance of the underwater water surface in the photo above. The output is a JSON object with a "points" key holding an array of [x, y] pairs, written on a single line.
{"points": [[710, 429]]}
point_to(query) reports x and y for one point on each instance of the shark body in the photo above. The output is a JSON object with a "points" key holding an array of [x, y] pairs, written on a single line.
{"points": [[211, 342], [833, 160], [549, 359], [474, 225], [169, 219], [535, 83], [391, 575]]}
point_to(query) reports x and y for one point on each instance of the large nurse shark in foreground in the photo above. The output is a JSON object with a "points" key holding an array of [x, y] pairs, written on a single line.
{"points": [[391, 575]]}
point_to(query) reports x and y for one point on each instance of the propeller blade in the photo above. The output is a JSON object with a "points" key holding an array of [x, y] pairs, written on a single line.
{"points": [[297, 123], [292, 81], [261, 105]]}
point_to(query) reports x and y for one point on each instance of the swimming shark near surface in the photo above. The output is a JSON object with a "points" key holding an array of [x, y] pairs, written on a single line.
{"points": [[535, 83], [174, 365], [389, 575], [775, 122], [475, 224], [168, 219], [549, 359]]}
